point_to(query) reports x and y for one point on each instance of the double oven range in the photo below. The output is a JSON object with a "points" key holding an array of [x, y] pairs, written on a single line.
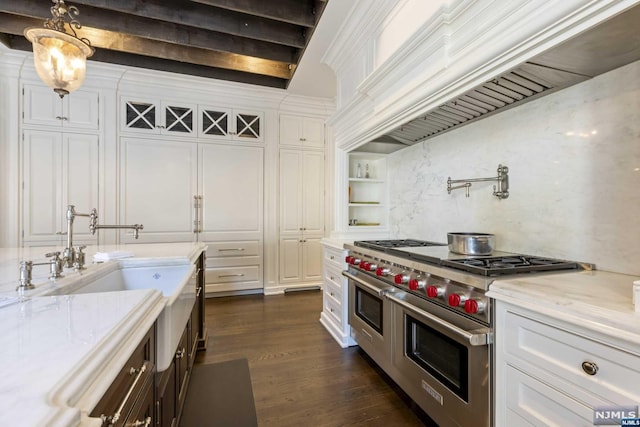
{"points": [[420, 312]]}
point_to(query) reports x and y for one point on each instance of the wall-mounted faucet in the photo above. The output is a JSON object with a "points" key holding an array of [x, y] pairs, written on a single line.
{"points": [[501, 192], [93, 225]]}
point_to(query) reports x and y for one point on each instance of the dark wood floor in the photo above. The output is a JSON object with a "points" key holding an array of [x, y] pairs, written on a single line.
{"points": [[300, 375]]}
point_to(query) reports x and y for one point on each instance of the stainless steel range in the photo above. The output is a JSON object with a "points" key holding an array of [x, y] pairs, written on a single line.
{"points": [[421, 313]]}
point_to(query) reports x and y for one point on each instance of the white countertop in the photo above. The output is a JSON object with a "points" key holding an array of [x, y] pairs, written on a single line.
{"points": [[596, 300], [60, 353]]}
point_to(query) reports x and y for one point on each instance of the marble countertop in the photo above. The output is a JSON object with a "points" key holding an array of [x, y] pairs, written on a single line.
{"points": [[60, 353], [599, 301]]}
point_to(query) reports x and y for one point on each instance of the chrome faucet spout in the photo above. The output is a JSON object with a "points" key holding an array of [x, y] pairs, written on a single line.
{"points": [[135, 227]]}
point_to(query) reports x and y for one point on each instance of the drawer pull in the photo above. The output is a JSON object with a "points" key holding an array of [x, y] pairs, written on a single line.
{"points": [[231, 275], [590, 368], [331, 257], [332, 278], [140, 423], [231, 249], [112, 420], [180, 353]]}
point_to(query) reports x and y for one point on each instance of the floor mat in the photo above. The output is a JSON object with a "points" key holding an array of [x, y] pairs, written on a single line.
{"points": [[220, 395]]}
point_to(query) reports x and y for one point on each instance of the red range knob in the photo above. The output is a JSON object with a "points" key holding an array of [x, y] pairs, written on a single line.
{"points": [[379, 271], [400, 278], [455, 300], [365, 265], [347, 259], [433, 292], [474, 306], [415, 284]]}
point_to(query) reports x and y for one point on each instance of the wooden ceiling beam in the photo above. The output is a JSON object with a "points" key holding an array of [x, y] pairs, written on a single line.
{"points": [[298, 12], [205, 17], [146, 62], [13, 24], [167, 32]]}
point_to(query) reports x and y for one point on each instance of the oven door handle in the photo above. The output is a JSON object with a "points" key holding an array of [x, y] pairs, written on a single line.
{"points": [[471, 338], [379, 291]]}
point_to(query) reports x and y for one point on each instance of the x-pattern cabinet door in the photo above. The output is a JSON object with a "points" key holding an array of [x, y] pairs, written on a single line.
{"points": [[155, 117], [228, 124]]}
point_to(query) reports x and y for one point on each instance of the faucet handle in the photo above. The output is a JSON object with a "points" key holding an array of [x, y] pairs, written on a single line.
{"points": [[55, 265], [80, 258], [25, 275]]}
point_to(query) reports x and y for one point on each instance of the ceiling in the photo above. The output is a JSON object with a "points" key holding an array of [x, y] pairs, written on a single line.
{"points": [[259, 42]]}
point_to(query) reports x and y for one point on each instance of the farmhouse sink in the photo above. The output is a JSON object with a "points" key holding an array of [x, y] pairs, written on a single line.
{"points": [[178, 286]]}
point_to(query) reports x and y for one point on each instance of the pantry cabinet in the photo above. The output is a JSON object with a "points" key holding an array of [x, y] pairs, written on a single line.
{"points": [[58, 169], [300, 131], [301, 215]]}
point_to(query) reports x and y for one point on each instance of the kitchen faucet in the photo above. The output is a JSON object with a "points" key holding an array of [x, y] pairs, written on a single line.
{"points": [[70, 254], [93, 225]]}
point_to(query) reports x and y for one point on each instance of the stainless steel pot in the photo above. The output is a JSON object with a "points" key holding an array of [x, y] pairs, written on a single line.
{"points": [[471, 243]]}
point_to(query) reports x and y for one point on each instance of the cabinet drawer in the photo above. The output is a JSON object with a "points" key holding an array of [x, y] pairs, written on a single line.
{"points": [[559, 356], [335, 257], [232, 274], [333, 309], [530, 402], [233, 249], [332, 288], [133, 376]]}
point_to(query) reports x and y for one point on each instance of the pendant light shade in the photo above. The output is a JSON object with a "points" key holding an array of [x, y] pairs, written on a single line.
{"points": [[60, 58]]}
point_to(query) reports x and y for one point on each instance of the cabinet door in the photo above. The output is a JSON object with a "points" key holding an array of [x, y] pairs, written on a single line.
{"points": [[301, 131], [42, 186], [43, 107], [231, 185], [215, 122], [158, 180], [311, 258], [248, 126], [80, 177], [140, 115], [58, 170], [178, 119], [290, 191], [312, 192], [290, 259]]}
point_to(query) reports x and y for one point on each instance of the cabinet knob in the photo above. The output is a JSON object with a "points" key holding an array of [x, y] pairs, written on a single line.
{"points": [[590, 368]]}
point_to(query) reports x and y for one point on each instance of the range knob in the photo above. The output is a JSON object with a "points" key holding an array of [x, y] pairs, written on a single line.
{"points": [[372, 267], [365, 265], [400, 279], [474, 306], [435, 291], [347, 259], [381, 271], [355, 261], [415, 284], [457, 299]]}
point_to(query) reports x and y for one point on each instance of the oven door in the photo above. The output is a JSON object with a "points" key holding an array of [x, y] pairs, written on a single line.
{"points": [[370, 316], [442, 360]]}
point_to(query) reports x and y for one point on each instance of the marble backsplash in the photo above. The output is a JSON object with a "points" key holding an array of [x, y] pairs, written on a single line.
{"points": [[574, 175]]}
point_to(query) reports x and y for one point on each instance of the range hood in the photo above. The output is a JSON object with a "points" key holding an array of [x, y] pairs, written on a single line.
{"points": [[610, 45]]}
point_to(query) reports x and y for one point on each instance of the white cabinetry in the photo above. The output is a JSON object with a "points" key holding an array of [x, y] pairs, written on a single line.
{"points": [[335, 315], [60, 163], [367, 192], [158, 180], [549, 373], [228, 124], [301, 131], [301, 215], [153, 116], [58, 169], [42, 107], [231, 215]]}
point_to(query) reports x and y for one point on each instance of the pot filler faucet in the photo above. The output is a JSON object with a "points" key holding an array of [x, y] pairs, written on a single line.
{"points": [[72, 257]]}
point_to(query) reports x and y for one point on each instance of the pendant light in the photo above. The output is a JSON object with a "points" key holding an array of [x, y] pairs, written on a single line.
{"points": [[60, 57]]}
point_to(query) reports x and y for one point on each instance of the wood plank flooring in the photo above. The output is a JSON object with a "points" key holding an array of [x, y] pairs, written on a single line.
{"points": [[300, 375]]}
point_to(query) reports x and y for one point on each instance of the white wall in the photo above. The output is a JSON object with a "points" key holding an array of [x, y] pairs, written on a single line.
{"points": [[574, 171]]}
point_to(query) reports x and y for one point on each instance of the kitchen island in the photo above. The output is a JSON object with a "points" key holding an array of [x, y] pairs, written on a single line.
{"points": [[566, 345], [59, 352]]}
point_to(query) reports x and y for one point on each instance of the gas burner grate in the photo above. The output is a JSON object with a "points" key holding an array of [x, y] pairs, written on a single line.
{"points": [[383, 245], [493, 266]]}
